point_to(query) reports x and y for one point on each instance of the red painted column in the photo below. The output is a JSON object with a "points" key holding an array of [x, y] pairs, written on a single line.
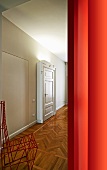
{"points": [[71, 85], [76, 142], [81, 85], [97, 54]]}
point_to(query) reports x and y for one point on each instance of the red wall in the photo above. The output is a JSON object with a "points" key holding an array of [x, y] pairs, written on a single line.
{"points": [[97, 118], [81, 84]]}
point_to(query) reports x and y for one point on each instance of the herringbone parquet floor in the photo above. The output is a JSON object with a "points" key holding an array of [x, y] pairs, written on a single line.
{"points": [[51, 137]]}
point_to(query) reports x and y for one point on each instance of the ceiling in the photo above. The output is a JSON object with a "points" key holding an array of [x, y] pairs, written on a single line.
{"points": [[45, 21]]}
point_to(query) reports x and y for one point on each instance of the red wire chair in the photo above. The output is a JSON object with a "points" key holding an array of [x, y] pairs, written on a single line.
{"points": [[18, 153]]}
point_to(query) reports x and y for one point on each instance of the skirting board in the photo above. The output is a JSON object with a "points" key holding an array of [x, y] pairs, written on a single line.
{"points": [[22, 129], [60, 106]]}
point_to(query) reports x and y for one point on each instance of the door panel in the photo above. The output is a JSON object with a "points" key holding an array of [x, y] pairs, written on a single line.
{"points": [[49, 74], [48, 110], [48, 93]]}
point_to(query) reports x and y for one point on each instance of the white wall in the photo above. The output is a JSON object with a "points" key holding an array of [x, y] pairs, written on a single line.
{"points": [[66, 84], [18, 44], [0, 56], [0, 69]]}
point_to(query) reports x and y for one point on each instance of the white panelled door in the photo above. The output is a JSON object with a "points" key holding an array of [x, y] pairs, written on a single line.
{"points": [[48, 93]]}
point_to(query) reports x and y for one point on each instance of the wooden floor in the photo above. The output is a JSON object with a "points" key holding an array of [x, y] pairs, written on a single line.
{"points": [[51, 137]]}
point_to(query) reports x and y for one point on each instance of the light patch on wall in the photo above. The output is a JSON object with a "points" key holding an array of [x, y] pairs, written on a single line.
{"points": [[41, 56], [50, 42]]}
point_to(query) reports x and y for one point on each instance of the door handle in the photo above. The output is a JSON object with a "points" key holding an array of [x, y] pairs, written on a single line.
{"points": [[46, 94]]}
